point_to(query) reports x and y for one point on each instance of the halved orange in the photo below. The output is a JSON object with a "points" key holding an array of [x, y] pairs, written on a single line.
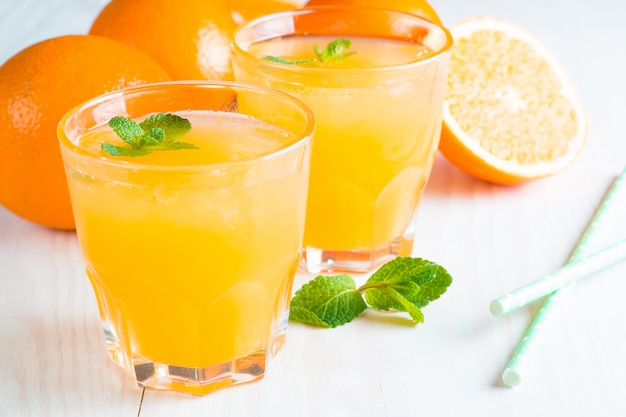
{"points": [[511, 113]]}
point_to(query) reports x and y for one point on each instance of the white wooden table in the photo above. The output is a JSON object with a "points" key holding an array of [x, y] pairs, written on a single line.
{"points": [[492, 239]]}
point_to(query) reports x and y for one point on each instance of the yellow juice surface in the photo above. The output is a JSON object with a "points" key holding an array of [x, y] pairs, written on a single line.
{"points": [[378, 119], [368, 52], [191, 265]]}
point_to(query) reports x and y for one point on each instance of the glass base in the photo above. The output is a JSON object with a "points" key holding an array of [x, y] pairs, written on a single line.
{"points": [[198, 381], [201, 381], [315, 260]]}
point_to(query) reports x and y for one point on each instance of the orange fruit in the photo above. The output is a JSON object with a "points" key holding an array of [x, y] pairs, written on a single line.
{"points": [[39, 85], [511, 114], [189, 38], [419, 7]]}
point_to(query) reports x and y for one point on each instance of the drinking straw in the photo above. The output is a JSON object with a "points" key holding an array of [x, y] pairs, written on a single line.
{"points": [[513, 373], [574, 270]]}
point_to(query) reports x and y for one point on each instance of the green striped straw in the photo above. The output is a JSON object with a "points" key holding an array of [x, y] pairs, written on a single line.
{"points": [[574, 270], [512, 375]]}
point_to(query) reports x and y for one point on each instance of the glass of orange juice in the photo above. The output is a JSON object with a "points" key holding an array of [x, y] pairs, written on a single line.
{"points": [[191, 251], [375, 80]]}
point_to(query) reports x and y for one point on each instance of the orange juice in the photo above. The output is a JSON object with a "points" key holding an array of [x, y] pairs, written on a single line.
{"points": [[192, 252], [378, 119], [191, 244]]}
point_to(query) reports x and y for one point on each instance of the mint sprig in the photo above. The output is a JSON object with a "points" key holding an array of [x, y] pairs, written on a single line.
{"points": [[335, 51], [288, 61], [327, 302], [159, 132], [403, 284]]}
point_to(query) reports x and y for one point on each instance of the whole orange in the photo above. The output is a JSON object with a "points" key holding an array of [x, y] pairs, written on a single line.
{"points": [[419, 7], [39, 85], [189, 38]]}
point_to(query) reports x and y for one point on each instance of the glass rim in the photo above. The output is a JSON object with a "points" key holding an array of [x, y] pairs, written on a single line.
{"points": [[301, 139], [442, 52]]}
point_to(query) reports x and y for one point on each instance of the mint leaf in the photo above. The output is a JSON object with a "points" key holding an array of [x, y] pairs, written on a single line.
{"points": [[119, 151], [334, 52], [287, 61], [327, 301], [403, 284], [159, 132], [303, 315], [386, 298], [431, 278], [152, 137], [174, 146], [386, 295], [173, 126], [126, 129]]}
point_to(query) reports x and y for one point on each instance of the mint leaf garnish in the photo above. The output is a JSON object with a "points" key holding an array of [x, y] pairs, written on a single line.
{"points": [[126, 129], [174, 146], [403, 284], [386, 298], [405, 274], [119, 151], [327, 302], [153, 137], [334, 52], [159, 132], [287, 61], [172, 125]]}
